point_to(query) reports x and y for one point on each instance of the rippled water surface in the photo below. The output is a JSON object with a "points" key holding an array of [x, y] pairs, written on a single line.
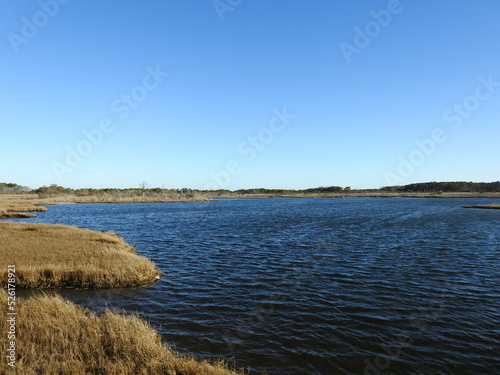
{"points": [[314, 286]]}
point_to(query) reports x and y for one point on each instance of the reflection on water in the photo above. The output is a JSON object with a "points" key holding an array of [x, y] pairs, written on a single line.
{"points": [[314, 286]]}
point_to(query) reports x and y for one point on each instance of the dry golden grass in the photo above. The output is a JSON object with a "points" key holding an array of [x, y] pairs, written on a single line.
{"points": [[490, 206], [14, 215], [54, 336], [63, 256], [16, 206]]}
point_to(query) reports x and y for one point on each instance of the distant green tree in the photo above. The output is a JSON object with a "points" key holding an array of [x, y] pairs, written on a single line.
{"points": [[53, 190], [6, 187]]}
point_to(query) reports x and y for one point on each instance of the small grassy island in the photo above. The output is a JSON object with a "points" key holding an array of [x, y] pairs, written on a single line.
{"points": [[485, 206]]}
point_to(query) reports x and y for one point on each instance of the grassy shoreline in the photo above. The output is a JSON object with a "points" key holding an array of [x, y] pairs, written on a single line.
{"points": [[55, 336], [62, 256], [362, 195], [25, 205], [485, 206]]}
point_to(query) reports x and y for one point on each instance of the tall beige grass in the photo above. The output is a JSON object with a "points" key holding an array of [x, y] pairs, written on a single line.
{"points": [[55, 336], [63, 256], [16, 206]]}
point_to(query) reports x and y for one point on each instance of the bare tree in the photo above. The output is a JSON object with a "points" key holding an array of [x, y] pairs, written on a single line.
{"points": [[144, 185]]}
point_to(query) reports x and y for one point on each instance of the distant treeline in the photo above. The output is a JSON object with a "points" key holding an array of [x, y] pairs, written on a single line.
{"points": [[54, 190], [321, 189], [12, 188], [446, 187], [426, 187]]}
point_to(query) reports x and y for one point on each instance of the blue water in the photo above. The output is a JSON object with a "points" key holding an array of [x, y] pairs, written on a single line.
{"points": [[314, 286]]}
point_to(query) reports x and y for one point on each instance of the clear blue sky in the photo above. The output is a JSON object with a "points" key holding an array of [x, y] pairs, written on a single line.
{"points": [[359, 102]]}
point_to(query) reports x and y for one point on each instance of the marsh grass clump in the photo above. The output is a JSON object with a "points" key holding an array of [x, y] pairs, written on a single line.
{"points": [[4, 214], [485, 206], [17, 206], [55, 336], [63, 256]]}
